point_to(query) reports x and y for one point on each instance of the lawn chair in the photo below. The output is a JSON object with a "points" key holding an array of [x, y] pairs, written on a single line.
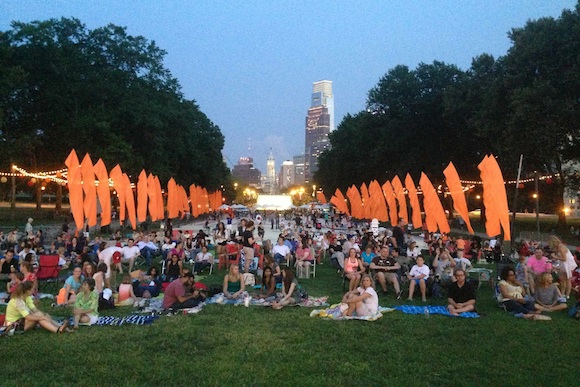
{"points": [[232, 256], [48, 271]]}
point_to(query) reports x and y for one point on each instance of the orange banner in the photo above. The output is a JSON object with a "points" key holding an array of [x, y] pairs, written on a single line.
{"points": [[75, 189], [434, 213], [414, 201], [90, 190], [391, 201], [103, 192], [400, 195], [456, 191]]}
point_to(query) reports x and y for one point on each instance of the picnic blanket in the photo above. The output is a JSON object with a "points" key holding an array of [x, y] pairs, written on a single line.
{"points": [[135, 319], [310, 302], [433, 309], [335, 313]]}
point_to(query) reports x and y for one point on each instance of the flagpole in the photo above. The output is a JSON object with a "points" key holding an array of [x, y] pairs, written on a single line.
{"points": [[513, 226]]}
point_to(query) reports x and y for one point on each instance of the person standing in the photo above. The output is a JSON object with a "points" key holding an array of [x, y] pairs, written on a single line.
{"points": [[248, 244], [28, 229]]}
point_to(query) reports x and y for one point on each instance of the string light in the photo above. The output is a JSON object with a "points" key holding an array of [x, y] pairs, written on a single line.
{"points": [[529, 180]]}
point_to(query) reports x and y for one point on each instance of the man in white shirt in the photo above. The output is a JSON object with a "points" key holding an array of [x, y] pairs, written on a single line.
{"points": [[281, 251], [130, 253], [203, 259], [147, 249], [110, 256]]}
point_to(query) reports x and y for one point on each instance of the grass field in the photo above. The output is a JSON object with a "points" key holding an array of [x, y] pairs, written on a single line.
{"points": [[234, 345]]}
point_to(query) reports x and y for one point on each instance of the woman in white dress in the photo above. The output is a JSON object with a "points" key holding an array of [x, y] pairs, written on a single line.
{"points": [[567, 264]]}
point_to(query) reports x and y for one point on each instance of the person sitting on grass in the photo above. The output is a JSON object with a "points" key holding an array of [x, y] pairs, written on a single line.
{"points": [[268, 284], [86, 304], [289, 287], [233, 287], [353, 269], [21, 306], [174, 268], [363, 300], [72, 285], [418, 276], [512, 295], [548, 297], [126, 295], [461, 294], [276, 272], [175, 295], [203, 259], [26, 269], [148, 285]]}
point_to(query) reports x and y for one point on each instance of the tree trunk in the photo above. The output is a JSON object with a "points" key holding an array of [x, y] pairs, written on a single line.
{"points": [[560, 185], [58, 202], [38, 189]]}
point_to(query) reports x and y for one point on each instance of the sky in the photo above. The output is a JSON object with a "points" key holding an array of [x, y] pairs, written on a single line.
{"points": [[250, 64]]}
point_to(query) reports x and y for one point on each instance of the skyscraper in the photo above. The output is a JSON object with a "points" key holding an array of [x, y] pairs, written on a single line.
{"points": [[271, 173], [319, 123]]}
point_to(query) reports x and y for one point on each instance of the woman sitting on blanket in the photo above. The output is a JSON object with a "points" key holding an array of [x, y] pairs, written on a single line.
{"points": [[268, 284], [21, 306], [234, 286], [353, 268], [127, 296], [275, 268], [289, 286], [363, 300], [86, 304], [72, 285]]}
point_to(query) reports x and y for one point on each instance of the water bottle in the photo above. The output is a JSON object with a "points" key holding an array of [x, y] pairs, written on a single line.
{"points": [[426, 311]]}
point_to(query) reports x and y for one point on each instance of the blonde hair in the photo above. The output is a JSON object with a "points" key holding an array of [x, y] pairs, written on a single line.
{"points": [[60, 250], [544, 279], [554, 242], [370, 277]]}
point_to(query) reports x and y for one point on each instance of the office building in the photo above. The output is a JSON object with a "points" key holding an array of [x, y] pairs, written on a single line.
{"points": [[319, 123]]}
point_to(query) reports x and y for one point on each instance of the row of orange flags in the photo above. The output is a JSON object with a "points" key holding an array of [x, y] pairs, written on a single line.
{"points": [[89, 183], [389, 201]]}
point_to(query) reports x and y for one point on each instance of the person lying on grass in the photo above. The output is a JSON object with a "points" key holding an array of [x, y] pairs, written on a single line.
{"points": [[86, 304], [512, 295], [363, 300], [548, 297], [289, 289], [461, 294], [21, 306], [233, 287]]}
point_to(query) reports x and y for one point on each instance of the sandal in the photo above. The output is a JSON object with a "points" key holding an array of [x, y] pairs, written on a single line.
{"points": [[62, 328]]}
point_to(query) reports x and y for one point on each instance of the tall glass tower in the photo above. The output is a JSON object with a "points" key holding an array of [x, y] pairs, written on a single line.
{"points": [[319, 123]]}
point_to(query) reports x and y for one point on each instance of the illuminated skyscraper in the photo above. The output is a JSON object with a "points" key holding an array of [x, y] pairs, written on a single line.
{"points": [[319, 123]]}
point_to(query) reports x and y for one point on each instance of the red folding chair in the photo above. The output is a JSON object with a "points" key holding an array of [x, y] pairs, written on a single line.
{"points": [[232, 255], [48, 270]]}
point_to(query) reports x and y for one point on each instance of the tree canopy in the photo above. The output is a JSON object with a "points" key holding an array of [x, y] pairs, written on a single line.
{"points": [[526, 102], [104, 92]]}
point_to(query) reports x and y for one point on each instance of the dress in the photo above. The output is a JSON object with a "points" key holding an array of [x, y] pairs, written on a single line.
{"points": [[350, 266], [568, 265]]}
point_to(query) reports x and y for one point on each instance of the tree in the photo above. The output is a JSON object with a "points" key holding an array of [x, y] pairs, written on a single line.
{"points": [[104, 92]]}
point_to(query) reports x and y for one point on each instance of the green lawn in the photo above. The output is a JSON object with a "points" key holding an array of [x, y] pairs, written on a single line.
{"points": [[227, 345]]}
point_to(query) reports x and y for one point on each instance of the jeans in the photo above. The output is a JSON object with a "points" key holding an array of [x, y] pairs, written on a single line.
{"points": [[191, 303], [199, 266], [516, 307], [279, 258], [147, 253]]}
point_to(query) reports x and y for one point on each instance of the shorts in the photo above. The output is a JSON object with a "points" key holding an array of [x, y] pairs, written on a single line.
{"points": [[93, 318]]}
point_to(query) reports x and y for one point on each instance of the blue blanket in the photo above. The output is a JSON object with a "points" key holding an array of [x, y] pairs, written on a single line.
{"points": [[433, 309]]}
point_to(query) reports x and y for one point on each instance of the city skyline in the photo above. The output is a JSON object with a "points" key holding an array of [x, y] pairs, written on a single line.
{"points": [[250, 66]]}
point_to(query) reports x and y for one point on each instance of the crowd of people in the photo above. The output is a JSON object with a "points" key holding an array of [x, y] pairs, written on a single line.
{"points": [[363, 254]]}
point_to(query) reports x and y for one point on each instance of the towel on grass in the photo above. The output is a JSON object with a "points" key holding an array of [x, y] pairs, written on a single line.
{"points": [[433, 309], [335, 313], [310, 302]]}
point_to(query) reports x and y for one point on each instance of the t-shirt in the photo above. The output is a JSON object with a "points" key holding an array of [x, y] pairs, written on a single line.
{"points": [[372, 302], [107, 254], [201, 257], [399, 235], [130, 252], [246, 235], [367, 258], [442, 265], [539, 266], [546, 296], [383, 262], [461, 294], [283, 250], [74, 285], [174, 290], [7, 265], [417, 271], [86, 303], [18, 308]]}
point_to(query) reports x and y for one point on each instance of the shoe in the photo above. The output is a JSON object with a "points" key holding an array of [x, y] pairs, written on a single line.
{"points": [[399, 295], [424, 299]]}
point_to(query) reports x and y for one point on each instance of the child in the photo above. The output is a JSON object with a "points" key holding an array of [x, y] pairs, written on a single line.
{"points": [[126, 295], [523, 274], [63, 261]]}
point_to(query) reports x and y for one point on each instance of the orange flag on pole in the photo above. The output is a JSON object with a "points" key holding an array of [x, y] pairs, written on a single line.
{"points": [[152, 196], [90, 190], [116, 175], [130, 201], [456, 191], [494, 198], [103, 192], [339, 201], [434, 213], [414, 200], [320, 196], [172, 205], [377, 202], [142, 197], [391, 201], [365, 196], [400, 195], [354, 198], [75, 189], [159, 197], [193, 200]]}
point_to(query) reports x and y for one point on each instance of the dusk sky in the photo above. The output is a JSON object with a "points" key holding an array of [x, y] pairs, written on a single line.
{"points": [[250, 64]]}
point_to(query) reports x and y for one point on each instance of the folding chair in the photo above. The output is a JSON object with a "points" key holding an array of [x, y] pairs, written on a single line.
{"points": [[48, 270], [232, 255]]}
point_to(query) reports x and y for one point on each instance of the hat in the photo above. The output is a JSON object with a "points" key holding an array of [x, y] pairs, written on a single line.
{"points": [[116, 257], [200, 286]]}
